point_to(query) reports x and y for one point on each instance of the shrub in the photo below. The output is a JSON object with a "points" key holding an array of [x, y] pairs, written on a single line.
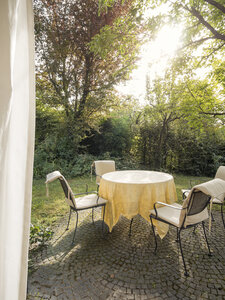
{"points": [[39, 235]]}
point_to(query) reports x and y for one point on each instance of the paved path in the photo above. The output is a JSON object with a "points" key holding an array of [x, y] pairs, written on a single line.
{"points": [[123, 267]]}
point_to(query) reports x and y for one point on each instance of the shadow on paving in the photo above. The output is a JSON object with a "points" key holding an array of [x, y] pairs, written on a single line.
{"points": [[123, 267]]}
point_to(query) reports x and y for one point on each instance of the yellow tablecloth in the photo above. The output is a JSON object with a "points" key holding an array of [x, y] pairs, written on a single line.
{"points": [[134, 192]]}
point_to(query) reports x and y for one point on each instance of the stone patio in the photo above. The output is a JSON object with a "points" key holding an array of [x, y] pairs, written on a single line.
{"points": [[123, 267]]}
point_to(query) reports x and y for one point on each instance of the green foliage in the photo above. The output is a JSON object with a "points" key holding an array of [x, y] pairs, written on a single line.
{"points": [[183, 151], [114, 136], [45, 162], [181, 129], [72, 75], [39, 235], [81, 119]]}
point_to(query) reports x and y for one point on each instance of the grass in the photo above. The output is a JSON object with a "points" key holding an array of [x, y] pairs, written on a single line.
{"points": [[46, 211], [185, 182]]}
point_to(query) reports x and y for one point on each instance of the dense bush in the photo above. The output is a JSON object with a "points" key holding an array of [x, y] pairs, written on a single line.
{"points": [[57, 151], [184, 150], [79, 165], [178, 147], [113, 136]]}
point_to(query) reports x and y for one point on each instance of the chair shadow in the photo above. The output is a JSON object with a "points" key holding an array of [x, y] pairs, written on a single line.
{"points": [[129, 263]]}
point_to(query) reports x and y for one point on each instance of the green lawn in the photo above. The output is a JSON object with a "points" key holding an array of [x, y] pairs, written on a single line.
{"points": [[47, 210]]}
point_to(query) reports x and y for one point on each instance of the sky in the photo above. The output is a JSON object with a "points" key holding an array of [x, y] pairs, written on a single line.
{"points": [[153, 60]]}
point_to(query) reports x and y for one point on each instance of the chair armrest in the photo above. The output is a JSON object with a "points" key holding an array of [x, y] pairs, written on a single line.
{"points": [[185, 193], [165, 204], [169, 205]]}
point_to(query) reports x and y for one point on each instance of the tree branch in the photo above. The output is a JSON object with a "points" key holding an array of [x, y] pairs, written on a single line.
{"points": [[190, 91], [197, 14], [202, 40], [216, 4], [214, 114], [211, 53]]}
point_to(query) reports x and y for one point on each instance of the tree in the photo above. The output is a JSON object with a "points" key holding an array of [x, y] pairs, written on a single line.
{"points": [[181, 126], [203, 23], [162, 110], [80, 77], [116, 130]]}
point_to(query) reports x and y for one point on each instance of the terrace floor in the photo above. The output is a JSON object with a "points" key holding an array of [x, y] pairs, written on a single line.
{"points": [[123, 267]]}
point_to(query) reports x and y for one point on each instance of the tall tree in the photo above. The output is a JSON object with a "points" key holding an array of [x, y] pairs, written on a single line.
{"points": [[162, 110], [68, 36]]}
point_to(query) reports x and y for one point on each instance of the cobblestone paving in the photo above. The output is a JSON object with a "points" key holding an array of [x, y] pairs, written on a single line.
{"points": [[122, 267]]}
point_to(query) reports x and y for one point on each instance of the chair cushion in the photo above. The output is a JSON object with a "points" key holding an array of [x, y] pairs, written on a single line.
{"points": [[185, 191], [202, 216], [220, 173], [169, 214], [217, 201], [53, 176], [89, 201], [102, 167]]}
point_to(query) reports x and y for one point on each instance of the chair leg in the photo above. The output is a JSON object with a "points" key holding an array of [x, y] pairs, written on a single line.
{"points": [[154, 235], [75, 228], [203, 226], [222, 215], [69, 219], [182, 254], [93, 215], [194, 229], [103, 221], [177, 239], [131, 221]]}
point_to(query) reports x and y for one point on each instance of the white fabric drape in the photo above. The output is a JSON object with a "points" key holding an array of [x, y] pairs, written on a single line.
{"points": [[17, 115]]}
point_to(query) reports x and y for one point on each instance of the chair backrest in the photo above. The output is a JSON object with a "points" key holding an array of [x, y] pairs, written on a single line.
{"points": [[69, 196], [220, 173], [195, 208], [198, 203], [102, 167]]}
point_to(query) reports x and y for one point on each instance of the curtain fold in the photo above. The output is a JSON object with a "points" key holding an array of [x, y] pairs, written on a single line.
{"points": [[17, 126]]}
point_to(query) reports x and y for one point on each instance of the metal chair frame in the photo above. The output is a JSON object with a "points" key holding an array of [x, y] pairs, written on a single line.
{"points": [[184, 195], [67, 191], [179, 229], [219, 174], [97, 175], [221, 211], [77, 210], [131, 221]]}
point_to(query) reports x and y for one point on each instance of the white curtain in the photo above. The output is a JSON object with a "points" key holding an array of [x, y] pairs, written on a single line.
{"points": [[17, 115]]}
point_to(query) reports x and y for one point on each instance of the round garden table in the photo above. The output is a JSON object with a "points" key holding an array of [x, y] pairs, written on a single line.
{"points": [[134, 192]]}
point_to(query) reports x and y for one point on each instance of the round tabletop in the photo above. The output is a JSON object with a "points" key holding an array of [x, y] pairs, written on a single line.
{"points": [[137, 177], [133, 192]]}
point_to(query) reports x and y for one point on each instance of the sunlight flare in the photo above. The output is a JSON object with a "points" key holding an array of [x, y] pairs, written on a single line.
{"points": [[153, 62]]}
